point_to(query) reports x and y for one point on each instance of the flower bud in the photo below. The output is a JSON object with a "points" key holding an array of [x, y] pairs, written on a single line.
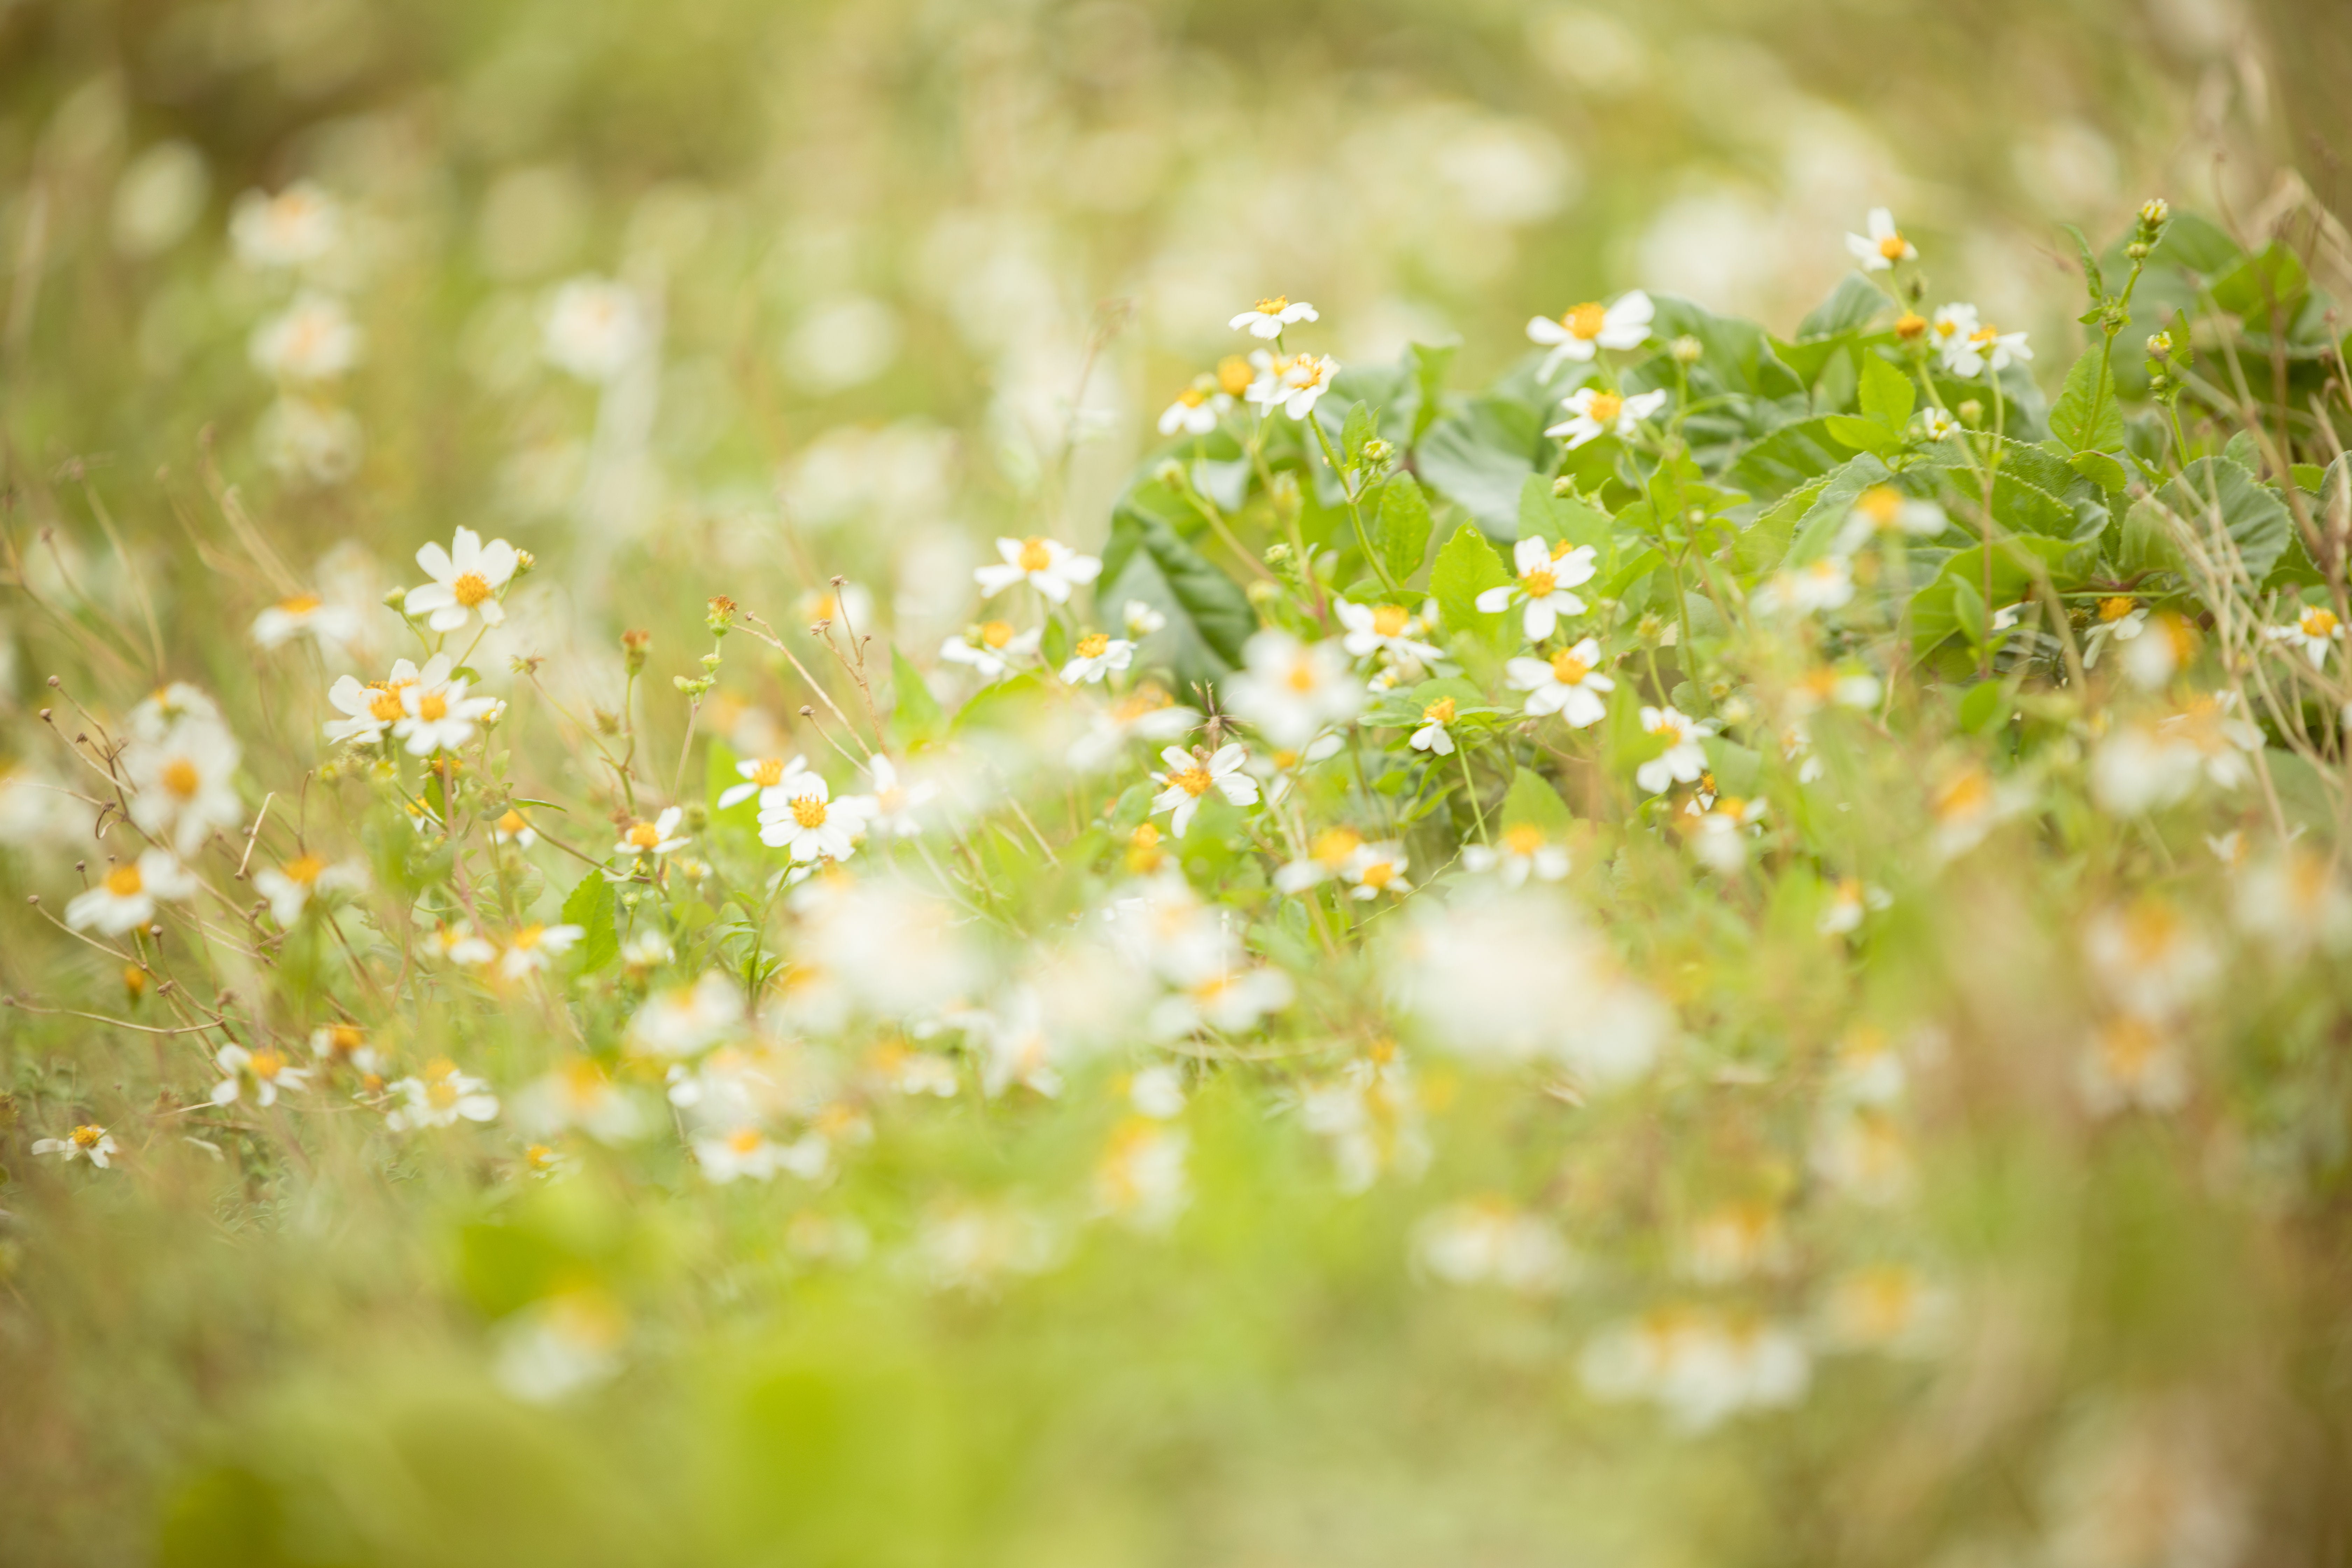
{"points": [[524, 562], [634, 647], [135, 981], [1687, 350], [1262, 593], [2159, 344], [2138, 250], [1910, 325], [394, 599], [2155, 213], [1377, 451], [1970, 412], [719, 614]]}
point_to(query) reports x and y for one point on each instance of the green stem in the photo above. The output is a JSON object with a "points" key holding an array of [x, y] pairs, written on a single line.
{"points": [[1355, 512]]}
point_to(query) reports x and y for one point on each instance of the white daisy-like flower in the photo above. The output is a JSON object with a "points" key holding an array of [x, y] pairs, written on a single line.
{"points": [[743, 1153], [1825, 582], [766, 777], [1578, 333], [1683, 759], [1229, 1001], [2311, 633], [1382, 628], [466, 581], [184, 787], [1268, 318], [1521, 852], [2132, 1061], [1884, 245], [439, 718], [1329, 855], [1140, 619], [1968, 345], [440, 1096], [1290, 689], [1948, 330], [659, 837], [1545, 574], [87, 1142], [1569, 683], [1048, 565], [595, 328], [810, 824], [1433, 736], [1095, 657], [1488, 1242], [1292, 383], [264, 1073], [304, 615], [298, 226], [290, 888], [458, 943], [1851, 899], [1145, 714], [1377, 868], [1881, 510], [1141, 1178], [312, 340], [1595, 412], [1190, 776], [532, 948], [897, 805], [687, 1020], [375, 707], [1196, 410], [991, 647], [513, 828], [2120, 618]]}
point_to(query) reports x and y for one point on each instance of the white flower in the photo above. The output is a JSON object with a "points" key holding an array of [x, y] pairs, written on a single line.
{"points": [[559, 1346], [1433, 736], [896, 808], [327, 625], [375, 707], [1488, 1242], [1683, 759], [439, 718], [1545, 574], [1289, 688], [290, 887], [659, 837], [1377, 628], [747, 1151], [1934, 424], [1578, 332], [1825, 582], [1196, 410], [1377, 868], [1861, 1152], [1158, 1092], [1968, 346], [2293, 898], [1850, 901], [1095, 657], [458, 943], [1521, 852], [439, 1098], [264, 1071], [1569, 683], [183, 783], [307, 440], [1048, 565], [1143, 714], [2132, 1061], [298, 226], [2150, 957], [1949, 332], [990, 647], [810, 823], [533, 947], [1883, 509], [466, 580], [87, 1142], [1735, 1241], [1141, 1178], [1140, 619], [1192, 776], [1268, 317], [687, 1020], [1885, 1307], [1329, 855], [1293, 382], [766, 777], [1595, 412], [314, 339], [1229, 1001], [513, 828], [1884, 245], [1700, 1367], [2311, 633], [1368, 1117], [593, 328]]}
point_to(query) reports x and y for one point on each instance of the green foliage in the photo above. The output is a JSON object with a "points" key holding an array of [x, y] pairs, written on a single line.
{"points": [[1466, 567]]}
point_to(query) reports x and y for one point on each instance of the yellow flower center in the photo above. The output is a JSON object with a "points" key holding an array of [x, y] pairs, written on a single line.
{"points": [[265, 1064], [180, 776], [1274, 307], [1605, 408], [1569, 669], [1195, 780], [385, 704], [1965, 796], [432, 705], [1390, 620], [525, 940], [304, 869], [441, 1093], [1092, 645], [1880, 503], [1303, 677], [343, 1039], [512, 823], [1881, 1301], [744, 1140], [1193, 396], [996, 634], [124, 882], [1985, 334], [1285, 758], [1440, 711], [1909, 325], [470, 588], [539, 1156], [1234, 375], [2318, 623], [2127, 1045], [1380, 874], [808, 811], [87, 1136], [299, 605], [1946, 327], [1035, 557], [1892, 248], [1586, 320], [768, 772], [1539, 583], [1523, 840], [2114, 609], [1143, 854], [1334, 845], [644, 835]]}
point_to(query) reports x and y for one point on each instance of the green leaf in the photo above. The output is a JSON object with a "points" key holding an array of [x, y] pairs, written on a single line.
{"points": [[1862, 435], [2021, 504], [1887, 394], [1401, 526], [1209, 617], [590, 906], [2256, 521], [1985, 708], [915, 714], [1787, 458], [1481, 456], [718, 773], [2092, 283], [1812, 531], [1849, 308], [2198, 244], [1358, 430], [1952, 601], [1466, 567], [2145, 543], [2070, 419], [1968, 612], [1427, 363], [2100, 470], [1532, 802], [2274, 278]]}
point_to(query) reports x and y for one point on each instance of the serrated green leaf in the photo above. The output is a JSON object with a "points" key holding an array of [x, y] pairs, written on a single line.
{"points": [[589, 906], [1862, 435], [1481, 456], [1532, 802], [2071, 419], [1401, 526], [1791, 455], [1466, 567], [1826, 514], [2100, 470], [2092, 283], [1209, 617], [1886, 393], [2215, 489], [1358, 429]]}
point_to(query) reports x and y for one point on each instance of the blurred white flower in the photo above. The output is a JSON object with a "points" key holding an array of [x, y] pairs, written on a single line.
{"points": [[467, 578], [87, 1142], [290, 888], [263, 1073], [439, 718], [1684, 760], [1268, 318], [593, 328], [1048, 565], [1095, 657], [1517, 853], [1489, 1242], [1289, 689], [439, 1097], [532, 948], [304, 614], [1292, 383], [297, 226], [1884, 245], [184, 783], [312, 340], [1700, 1367], [1825, 582], [660, 836], [1141, 1178], [1374, 628], [2311, 633], [991, 647]]}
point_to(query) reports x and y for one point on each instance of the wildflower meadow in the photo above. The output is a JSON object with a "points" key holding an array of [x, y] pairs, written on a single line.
{"points": [[1630, 935]]}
